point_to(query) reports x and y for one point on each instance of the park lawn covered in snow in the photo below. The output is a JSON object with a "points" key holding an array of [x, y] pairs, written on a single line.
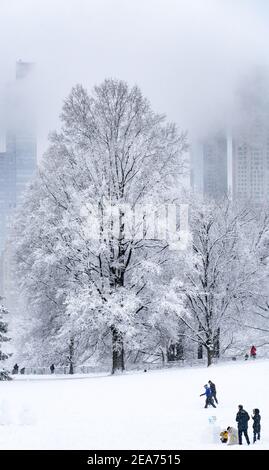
{"points": [[153, 410]]}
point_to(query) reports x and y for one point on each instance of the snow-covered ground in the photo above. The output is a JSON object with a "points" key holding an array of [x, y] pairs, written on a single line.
{"points": [[153, 410]]}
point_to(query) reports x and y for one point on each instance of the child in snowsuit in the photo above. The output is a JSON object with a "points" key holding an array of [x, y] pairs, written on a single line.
{"points": [[208, 394], [224, 436], [256, 424], [233, 436]]}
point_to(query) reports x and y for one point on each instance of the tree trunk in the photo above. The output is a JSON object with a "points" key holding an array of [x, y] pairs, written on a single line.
{"points": [[180, 350], [117, 351], [209, 356], [216, 344], [170, 353], [200, 351], [163, 356], [175, 351], [71, 356], [200, 345]]}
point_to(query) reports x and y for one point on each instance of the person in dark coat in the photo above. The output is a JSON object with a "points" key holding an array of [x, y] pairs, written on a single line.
{"points": [[208, 394], [256, 425], [213, 390], [15, 369], [22, 371], [242, 419], [52, 368]]}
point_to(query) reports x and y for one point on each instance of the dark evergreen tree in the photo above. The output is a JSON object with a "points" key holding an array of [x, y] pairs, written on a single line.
{"points": [[4, 375]]}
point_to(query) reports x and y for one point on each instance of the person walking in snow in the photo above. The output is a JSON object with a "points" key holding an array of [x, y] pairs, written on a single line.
{"points": [[213, 390], [253, 352], [232, 436], [208, 394], [52, 368], [256, 424], [242, 419]]}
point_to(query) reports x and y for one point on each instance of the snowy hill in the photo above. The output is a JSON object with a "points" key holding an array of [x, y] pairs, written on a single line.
{"points": [[153, 410]]}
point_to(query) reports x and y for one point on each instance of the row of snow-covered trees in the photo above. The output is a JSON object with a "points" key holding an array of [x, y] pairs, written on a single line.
{"points": [[96, 280], [4, 375], [224, 276]]}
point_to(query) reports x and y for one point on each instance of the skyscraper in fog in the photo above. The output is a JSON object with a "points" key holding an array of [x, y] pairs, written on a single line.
{"points": [[215, 166], [238, 163], [251, 164], [18, 162], [246, 179], [251, 143], [209, 166]]}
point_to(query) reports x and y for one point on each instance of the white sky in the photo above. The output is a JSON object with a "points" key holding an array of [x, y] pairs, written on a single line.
{"points": [[186, 55]]}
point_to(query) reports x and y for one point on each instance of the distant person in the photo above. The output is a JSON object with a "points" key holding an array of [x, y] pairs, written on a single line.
{"points": [[52, 368], [242, 419], [253, 352], [15, 369], [208, 394], [22, 371], [232, 436], [246, 356], [213, 390], [256, 425], [224, 436]]}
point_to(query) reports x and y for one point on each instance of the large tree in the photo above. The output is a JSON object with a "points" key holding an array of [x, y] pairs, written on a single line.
{"points": [[85, 276]]}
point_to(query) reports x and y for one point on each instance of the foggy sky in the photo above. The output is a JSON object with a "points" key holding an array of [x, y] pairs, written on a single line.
{"points": [[188, 56]]}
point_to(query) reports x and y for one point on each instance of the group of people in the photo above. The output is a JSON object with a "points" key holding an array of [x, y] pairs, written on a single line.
{"points": [[15, 369], [253, 353], [210, 394], [232, 435]]}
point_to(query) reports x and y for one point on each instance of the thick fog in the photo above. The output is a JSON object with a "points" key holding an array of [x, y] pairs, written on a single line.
{"points": [[188, 56]]}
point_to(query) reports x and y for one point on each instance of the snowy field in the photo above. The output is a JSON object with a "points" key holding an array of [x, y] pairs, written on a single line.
{"points": [[153, 410]]}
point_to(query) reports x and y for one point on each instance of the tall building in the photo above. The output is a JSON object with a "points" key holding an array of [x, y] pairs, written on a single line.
{"points": [[238, 164], [209, 166], [251, 165], [18, 162], [250, 146], [215, 166], [4, 183]]}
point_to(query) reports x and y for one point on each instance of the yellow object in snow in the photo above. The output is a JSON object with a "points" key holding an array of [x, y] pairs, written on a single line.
{"points": [[224, 436]]}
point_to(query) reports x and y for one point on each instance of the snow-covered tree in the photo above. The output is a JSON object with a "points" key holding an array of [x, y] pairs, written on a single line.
{"points": [[256, 318], [3, 339], [217, 276], [86, 279]]}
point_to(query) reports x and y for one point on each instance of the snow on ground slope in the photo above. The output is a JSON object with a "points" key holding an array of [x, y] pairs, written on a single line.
{"points": [[153, 410]]}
